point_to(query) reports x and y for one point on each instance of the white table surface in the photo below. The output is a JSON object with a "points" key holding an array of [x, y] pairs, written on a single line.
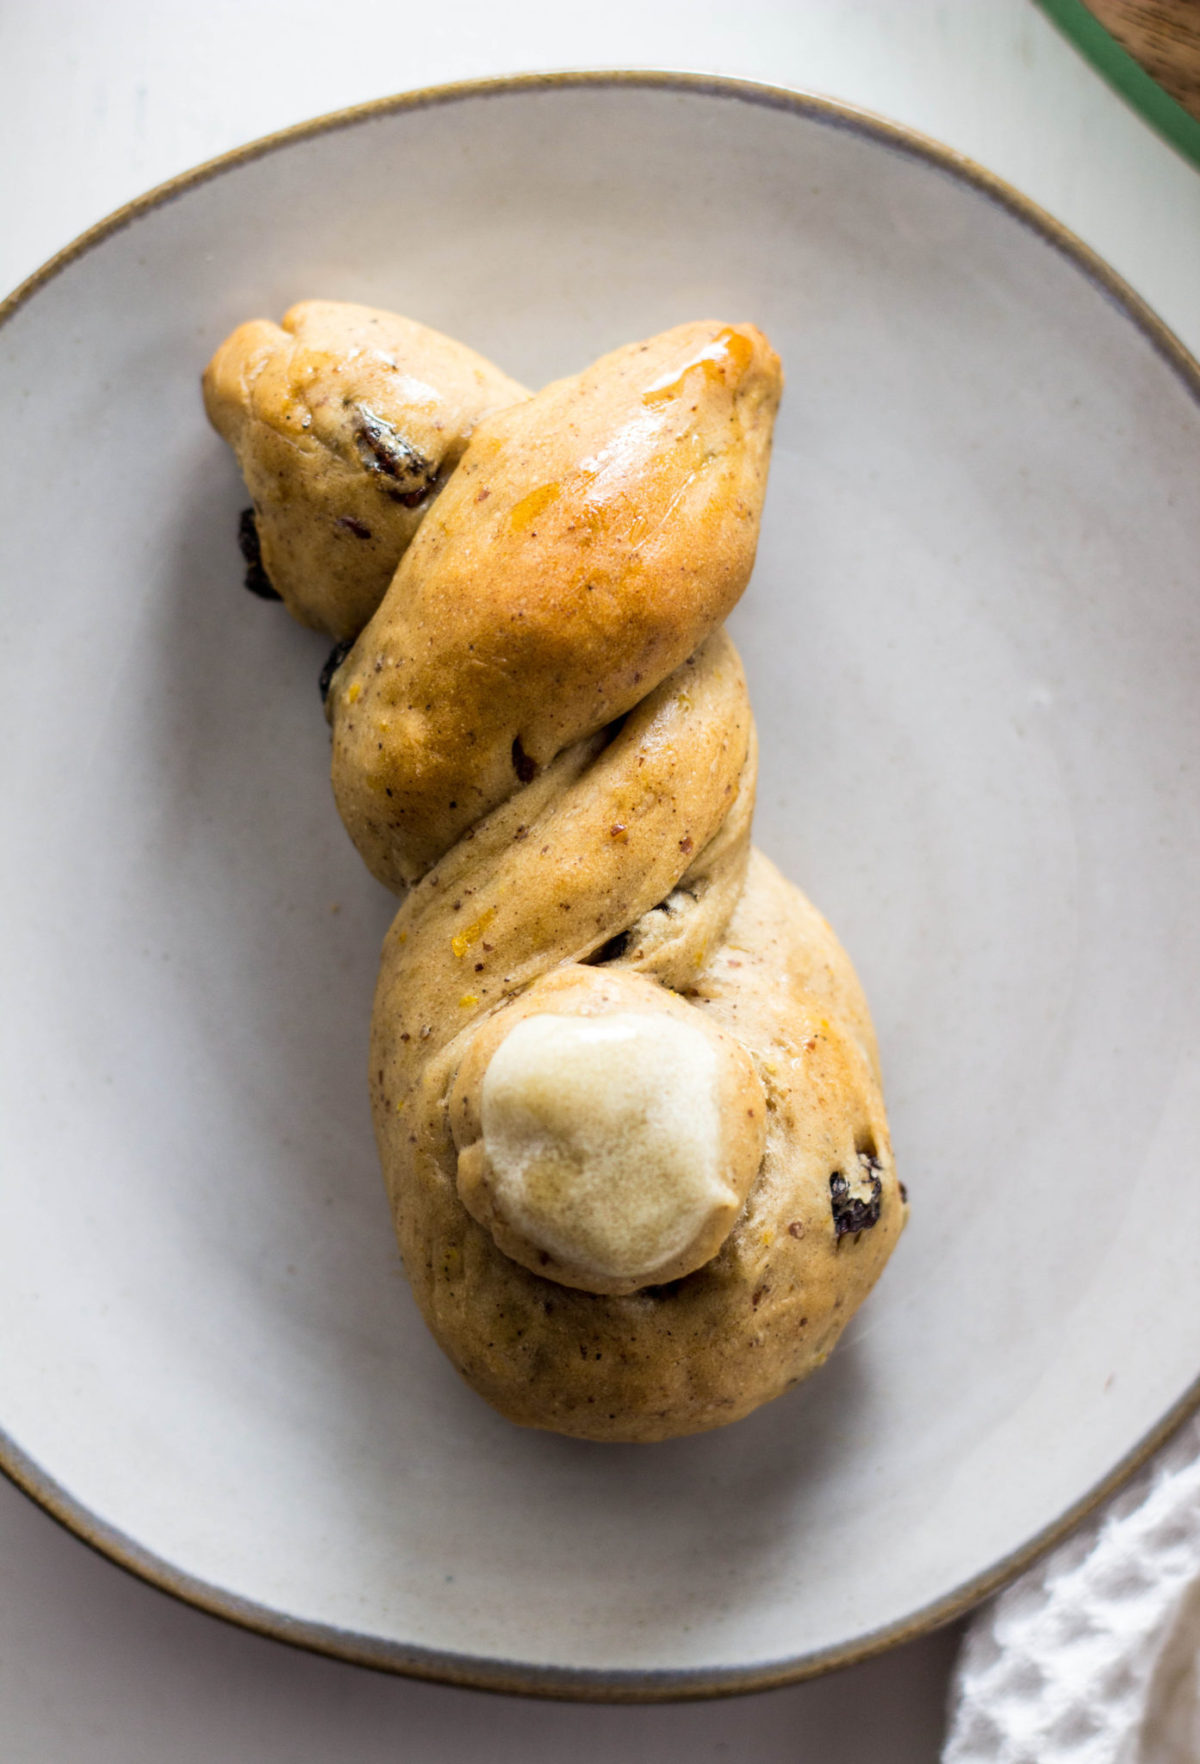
{"points": [[99, 101]]}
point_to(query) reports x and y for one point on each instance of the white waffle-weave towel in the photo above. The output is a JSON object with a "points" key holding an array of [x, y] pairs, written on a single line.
{"points": [[1093, 1657]]}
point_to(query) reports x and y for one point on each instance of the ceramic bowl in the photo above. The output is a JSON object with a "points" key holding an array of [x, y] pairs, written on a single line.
{"points": [[973, 642]]}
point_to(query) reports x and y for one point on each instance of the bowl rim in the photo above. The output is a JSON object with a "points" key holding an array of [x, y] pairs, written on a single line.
{"points": [[583, 1684]]}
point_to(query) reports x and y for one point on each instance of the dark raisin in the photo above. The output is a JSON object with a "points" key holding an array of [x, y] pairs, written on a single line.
{"points": [[353, 525], [409, 498], [613, 950], [523, 766], [666, 1291], [385, 452], [855, 1203], [256, 579], [333, 662]]}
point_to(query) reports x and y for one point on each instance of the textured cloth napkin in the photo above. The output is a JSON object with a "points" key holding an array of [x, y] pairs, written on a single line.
{"points": [[1093, 1657]]}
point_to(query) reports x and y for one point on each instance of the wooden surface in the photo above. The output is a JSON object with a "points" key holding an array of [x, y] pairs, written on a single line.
{"points": [[1163, 36]]}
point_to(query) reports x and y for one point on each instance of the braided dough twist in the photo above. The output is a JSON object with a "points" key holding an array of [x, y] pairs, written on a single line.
{"points": [[624, 1081]]}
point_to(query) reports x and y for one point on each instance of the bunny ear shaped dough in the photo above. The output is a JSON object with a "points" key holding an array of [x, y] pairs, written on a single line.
{"points": [[346, 422], [588, 542]]}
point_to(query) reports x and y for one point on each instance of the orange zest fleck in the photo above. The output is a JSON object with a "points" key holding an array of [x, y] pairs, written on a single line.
{"points": [[530, 507], [462, 943]]}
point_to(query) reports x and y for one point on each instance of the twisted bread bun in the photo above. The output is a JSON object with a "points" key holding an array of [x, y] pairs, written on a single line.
{"points": [[346, 422], [623, 1078]]}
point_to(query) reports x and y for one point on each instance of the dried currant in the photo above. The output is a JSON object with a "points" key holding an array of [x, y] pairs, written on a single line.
{"points": [[523, 766], [333, 662], [257, 579], [613, 950], [856, 1200], [384, 451]]}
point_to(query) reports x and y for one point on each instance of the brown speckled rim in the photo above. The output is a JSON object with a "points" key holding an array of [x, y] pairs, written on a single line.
{"points": [[514, 1676]]}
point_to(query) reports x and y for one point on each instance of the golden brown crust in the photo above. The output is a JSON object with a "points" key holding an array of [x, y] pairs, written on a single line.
{"points": [[345, 421], [587, 543]]}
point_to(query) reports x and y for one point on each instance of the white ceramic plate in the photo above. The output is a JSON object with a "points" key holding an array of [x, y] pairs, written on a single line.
{"points": [[973, 641]]}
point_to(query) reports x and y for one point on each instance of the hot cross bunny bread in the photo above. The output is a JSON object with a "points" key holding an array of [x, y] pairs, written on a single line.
{"points": [[624, 1080]]}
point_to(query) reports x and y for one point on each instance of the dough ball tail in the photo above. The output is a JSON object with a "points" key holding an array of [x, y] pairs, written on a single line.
{"points": [[607, 1134]]}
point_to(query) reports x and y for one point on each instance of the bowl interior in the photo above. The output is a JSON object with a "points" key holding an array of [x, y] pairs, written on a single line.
{"points": [[972, 641]]}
